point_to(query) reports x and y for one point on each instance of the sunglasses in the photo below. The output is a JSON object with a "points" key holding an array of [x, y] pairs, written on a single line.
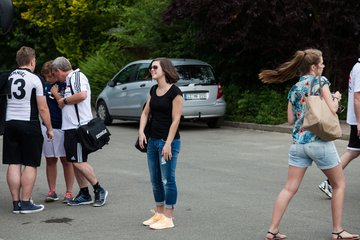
{"points": [[155, 67]]}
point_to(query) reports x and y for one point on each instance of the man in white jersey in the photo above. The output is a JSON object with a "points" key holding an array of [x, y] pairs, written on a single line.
{"points": [[22, 143], [76, 110], [353, 119]]}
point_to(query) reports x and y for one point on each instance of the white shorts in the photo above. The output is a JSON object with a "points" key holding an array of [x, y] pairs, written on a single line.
{"points": [[54, 148]]}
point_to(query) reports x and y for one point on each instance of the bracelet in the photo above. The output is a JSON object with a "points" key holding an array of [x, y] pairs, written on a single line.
{"points": [[65, 101]]}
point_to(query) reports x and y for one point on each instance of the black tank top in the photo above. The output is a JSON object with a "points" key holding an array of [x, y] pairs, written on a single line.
{"points": [[161, 112]]}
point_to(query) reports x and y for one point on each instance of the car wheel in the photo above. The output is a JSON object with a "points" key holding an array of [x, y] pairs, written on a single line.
{"points": [[215, 122], [103, 113]]}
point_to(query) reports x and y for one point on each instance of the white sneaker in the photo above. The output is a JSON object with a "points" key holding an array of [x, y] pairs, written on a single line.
{"points": [[326, 188], [163, 223], [156, 217]]}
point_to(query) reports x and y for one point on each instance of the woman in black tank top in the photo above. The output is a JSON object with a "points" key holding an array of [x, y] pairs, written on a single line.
{"points": [[164, 104]]}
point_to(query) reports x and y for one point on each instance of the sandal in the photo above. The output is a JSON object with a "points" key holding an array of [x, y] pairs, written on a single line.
{"points": [[275, 236], [338, 235]]}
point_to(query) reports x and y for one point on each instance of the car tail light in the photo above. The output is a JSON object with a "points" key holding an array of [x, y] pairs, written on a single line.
{"points": [[220, 92]]}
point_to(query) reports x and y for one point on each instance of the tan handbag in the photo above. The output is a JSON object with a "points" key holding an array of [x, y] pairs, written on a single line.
{"points": [[319, 119]]}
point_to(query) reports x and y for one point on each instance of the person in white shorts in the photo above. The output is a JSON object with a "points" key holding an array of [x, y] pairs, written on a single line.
{"points": [[52, 150]]}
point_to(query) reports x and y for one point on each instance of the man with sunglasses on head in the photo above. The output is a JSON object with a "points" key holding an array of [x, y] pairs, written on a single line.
{"points": [[76, 110], [353, 119]]}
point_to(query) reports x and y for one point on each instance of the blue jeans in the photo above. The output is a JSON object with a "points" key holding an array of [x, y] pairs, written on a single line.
{"points": [[162, 176]]}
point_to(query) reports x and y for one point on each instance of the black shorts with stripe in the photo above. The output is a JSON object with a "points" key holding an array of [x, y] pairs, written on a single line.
{"points": [[354, 141], [73, 149], [22, 143]]}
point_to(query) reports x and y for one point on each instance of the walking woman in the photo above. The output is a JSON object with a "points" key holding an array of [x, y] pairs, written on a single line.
{"points": [[307, 147], [164, 104]]}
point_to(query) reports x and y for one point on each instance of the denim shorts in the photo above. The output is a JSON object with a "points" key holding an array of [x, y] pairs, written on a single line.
{"points": [[323, 153]]}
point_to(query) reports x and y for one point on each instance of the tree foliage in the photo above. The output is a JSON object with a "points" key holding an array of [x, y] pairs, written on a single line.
{"points": [[77, 27], [263, 33], [142, 31], [25, 34], [139, 33], [238, 37]]}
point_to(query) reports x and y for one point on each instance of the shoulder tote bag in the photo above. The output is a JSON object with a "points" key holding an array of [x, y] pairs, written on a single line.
{"points": [[319, 119], [147, 135]]}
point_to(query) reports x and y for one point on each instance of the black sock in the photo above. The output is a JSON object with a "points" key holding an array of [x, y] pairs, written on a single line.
{"points": [[84, 191], [96, 186]]}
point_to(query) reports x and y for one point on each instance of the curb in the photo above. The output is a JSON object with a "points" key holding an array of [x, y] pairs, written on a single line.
{"points": [[281, 128]]}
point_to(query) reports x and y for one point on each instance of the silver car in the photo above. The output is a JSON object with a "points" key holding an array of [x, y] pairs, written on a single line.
{"points": [[125, 94]]}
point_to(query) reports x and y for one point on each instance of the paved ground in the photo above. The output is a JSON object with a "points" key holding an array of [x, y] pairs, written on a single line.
{"points": [[227, 178]]}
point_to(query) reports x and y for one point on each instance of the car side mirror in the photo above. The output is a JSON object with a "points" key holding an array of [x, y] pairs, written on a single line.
{"points": [[111, 84], [6, 16]]}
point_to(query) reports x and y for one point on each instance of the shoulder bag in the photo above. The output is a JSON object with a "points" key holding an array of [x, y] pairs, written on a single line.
{"points": [[147, 135], [319, 119]]}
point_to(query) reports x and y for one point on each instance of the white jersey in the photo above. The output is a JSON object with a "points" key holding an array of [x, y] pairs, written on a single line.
{"points": [[21, 101], [79, 83], [354, 86]]}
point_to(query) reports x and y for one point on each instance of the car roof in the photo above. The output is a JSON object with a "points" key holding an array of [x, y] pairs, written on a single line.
{"points": [[175, 61]]}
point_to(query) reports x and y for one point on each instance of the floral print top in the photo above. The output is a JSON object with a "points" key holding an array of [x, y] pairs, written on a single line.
{"points": [[296, 98]]}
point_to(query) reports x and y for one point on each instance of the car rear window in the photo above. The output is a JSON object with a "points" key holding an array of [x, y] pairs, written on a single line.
{"points": [[195, 74]]}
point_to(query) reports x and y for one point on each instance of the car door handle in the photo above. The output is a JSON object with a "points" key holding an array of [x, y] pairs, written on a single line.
{"points": [[124, 88], [143, 85]]}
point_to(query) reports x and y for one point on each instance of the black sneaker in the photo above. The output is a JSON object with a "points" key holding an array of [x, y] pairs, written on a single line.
{"points": [[80, 199], [30, 207], [16, 207], [100, 197]]}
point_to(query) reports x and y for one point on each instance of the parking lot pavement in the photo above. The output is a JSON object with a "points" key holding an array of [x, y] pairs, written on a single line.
{"points": [[227, 178]]}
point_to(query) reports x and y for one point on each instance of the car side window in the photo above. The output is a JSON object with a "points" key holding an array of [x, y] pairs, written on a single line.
{"points": [[143, 72], [125, 76]]}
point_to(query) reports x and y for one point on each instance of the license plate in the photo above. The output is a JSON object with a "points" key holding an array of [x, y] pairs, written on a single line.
{"points": [[195, 96]]}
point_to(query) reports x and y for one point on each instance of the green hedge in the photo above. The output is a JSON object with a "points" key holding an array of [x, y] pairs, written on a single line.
{"points": [[264, 105]]}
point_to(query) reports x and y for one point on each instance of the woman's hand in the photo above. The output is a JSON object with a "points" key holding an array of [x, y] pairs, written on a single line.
{"points": [[337, 95], [142, 140], [166, 151]]}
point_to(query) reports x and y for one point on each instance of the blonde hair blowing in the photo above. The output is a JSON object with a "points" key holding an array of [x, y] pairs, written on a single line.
{"points": [[298, 66]]}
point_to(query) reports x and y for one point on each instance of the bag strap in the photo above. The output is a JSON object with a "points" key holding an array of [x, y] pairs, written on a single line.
{"points": [[77, 77], [312, 85]]}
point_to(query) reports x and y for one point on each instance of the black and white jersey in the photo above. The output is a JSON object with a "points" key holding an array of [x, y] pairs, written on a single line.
{"points": [[21, 101]]}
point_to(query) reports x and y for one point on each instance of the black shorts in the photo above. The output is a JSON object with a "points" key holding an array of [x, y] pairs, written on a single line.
{"points": [[354, 141], [73, 149], [22, 143]]}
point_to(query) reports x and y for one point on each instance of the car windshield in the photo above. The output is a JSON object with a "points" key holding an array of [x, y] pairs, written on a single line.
{"points": [[195, 74]]}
